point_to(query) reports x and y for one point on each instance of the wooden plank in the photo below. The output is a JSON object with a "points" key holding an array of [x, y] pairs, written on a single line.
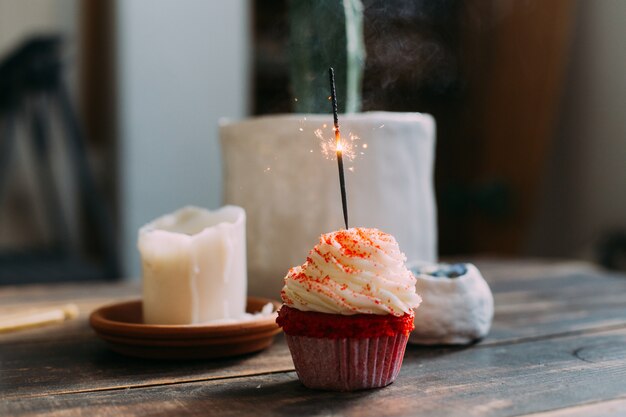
{"points": [[87, 297], [11, 296], [506, 269], [492, 381], [614, 408], [86, 364], [543, 308], [561, 304]]}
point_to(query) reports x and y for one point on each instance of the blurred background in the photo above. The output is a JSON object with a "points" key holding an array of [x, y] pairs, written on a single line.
{"points": [[109, 113]]}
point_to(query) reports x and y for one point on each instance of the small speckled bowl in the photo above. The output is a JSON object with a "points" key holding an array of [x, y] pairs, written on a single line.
{"points": [[454, 311]]}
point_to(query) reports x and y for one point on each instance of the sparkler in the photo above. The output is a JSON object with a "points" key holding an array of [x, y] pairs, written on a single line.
{"points": [[338, 146]]}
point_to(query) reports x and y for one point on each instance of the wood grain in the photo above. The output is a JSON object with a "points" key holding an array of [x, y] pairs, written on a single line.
{"points": [[491, 381], [11, 296], [557, 305], [87, 297], [557, 341], [613, 408], [526, 308], [87, 365]]}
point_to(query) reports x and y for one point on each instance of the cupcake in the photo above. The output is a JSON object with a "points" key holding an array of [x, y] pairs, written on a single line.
{"points": [[457, 307], [348, 311]]}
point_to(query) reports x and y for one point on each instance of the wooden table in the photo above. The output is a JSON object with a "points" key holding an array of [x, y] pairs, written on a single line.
{"points": [[557, 348]]}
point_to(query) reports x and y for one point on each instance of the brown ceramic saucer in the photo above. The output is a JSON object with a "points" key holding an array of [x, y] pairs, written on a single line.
{"points": [[121, 326]]}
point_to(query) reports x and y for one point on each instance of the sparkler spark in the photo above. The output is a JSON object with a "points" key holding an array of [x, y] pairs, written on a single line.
{"points": [[330, 147], [342, 180]]}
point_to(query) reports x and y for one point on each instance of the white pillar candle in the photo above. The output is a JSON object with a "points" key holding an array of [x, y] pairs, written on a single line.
{"points": [[194, 266]]}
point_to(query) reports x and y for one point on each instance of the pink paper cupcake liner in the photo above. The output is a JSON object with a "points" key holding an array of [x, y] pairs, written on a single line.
{"points": [[347, 364]]}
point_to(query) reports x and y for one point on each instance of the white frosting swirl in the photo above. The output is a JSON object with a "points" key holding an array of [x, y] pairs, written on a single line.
{"points": [[354, 271]]}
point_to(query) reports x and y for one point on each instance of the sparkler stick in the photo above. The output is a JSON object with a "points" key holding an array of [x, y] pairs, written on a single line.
{"points": [[338, 146]]}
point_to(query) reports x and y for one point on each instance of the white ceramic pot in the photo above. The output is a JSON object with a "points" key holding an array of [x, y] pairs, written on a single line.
{"points": [[454, 310], [275, 170]]}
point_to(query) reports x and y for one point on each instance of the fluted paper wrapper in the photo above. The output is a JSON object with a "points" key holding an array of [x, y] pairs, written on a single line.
{"points": [[347, 364]]}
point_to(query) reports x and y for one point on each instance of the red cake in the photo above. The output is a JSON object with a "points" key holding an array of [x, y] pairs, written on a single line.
{"points": [[348, 311]]}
